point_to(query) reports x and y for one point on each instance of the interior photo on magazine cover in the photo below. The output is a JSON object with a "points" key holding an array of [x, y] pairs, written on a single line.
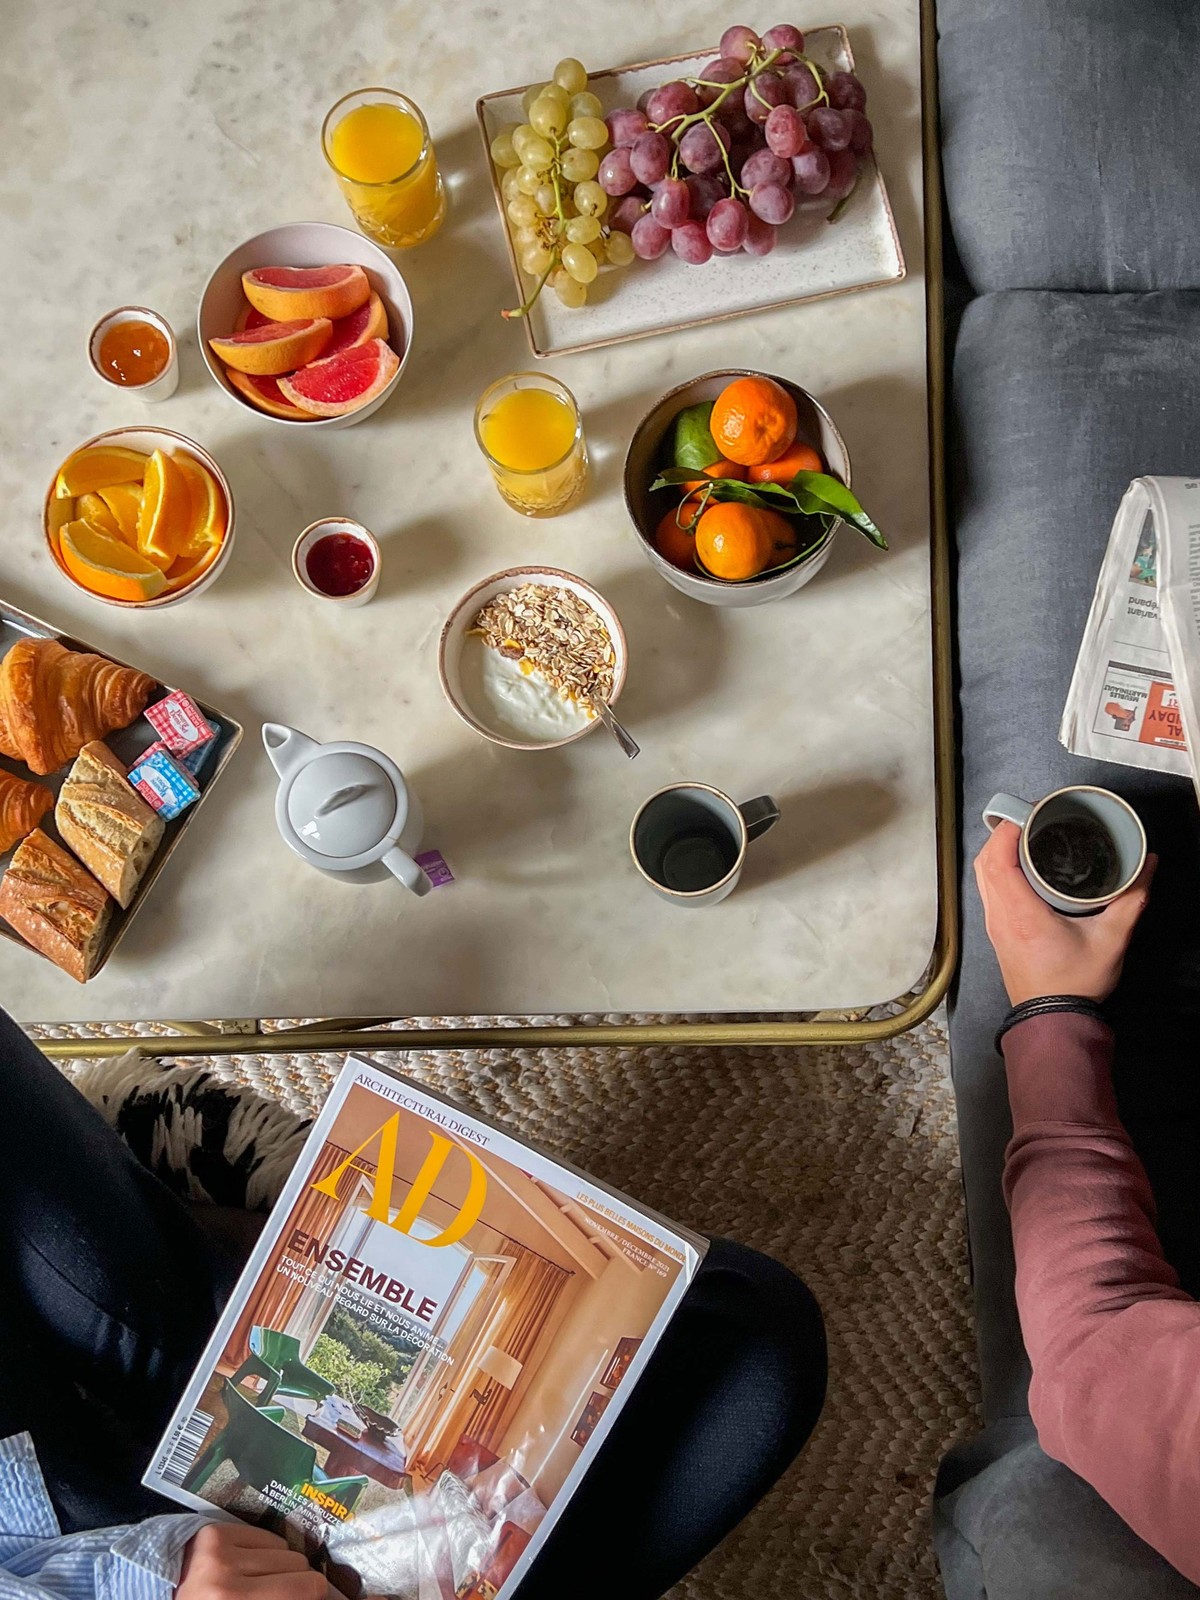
{"points": [[420, 1363]]}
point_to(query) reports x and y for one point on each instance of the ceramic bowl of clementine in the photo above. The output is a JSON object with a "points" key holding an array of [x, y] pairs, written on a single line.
{"points": [[140, 518], [814, 443]]}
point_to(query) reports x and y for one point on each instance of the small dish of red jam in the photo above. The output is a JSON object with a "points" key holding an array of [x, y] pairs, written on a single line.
{"points": [[339, 560]]}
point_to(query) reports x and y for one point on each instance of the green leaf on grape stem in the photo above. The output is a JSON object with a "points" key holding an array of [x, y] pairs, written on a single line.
{"points": [[809, 494]]}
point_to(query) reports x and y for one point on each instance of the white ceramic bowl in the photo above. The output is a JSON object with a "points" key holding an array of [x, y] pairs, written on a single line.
{"points": [[147, 439], [462, 617], [160, 388], [303, 244], [322, 529], [816, 427]]}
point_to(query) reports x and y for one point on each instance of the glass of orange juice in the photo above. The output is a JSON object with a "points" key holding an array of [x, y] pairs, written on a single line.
{"points": [[379, 147], [531, 434]]}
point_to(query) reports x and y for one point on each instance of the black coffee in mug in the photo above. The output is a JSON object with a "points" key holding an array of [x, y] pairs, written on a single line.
{"points": [[696, 858], [1077, 856]]}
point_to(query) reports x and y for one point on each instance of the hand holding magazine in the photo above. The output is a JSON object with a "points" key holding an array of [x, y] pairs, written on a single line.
{"points": [[436, 1330], [1135, 692]]}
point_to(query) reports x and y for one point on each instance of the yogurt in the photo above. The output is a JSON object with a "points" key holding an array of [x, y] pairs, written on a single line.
{"points": [[512, 703]]}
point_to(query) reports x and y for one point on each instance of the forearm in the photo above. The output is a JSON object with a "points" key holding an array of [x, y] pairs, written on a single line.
{"points": [[1113, 1340]]}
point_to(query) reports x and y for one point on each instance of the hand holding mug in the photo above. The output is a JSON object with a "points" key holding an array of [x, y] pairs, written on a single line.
{"points": [[1040, 951]]}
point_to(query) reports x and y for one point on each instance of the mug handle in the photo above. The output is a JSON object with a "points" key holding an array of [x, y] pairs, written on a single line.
{"points": [[1006, 808], [401, 865], [759, 815]]}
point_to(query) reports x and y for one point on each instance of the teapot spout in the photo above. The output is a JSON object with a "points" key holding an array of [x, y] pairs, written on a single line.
{"points": [[286, 747]]}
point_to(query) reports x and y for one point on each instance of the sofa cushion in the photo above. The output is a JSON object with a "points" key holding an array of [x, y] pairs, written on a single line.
{"points": [[1058, 401], [1071, 133]]}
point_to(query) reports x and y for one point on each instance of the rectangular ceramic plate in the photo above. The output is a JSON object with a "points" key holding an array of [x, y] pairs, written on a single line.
{"points": [[812, 259], [126, 744]]}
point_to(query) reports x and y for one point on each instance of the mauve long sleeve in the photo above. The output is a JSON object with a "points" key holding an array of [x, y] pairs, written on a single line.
{"points": [[1113, 1340]]}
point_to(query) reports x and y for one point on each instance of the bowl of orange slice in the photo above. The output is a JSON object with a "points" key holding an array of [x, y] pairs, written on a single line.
{"points": [[736, 483], [140, 518]]}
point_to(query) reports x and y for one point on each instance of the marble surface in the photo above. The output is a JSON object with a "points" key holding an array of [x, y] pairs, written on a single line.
{"points": [[145, 141]]}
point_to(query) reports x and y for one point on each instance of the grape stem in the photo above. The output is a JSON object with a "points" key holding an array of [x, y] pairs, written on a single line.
{"points": [[845, 200], [707, 115], [524, 309]]}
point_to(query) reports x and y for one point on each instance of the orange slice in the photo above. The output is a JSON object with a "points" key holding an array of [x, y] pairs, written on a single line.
{"points": [[206, 507], [185, 571], [90, 508], [165, 517], [106, 566], [124, 500], [97, 468]]}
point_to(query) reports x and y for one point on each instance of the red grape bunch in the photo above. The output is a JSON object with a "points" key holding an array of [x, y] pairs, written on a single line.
{"points": [[717, 163]]}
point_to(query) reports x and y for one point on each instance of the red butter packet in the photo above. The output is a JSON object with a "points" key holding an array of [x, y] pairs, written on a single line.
{"points": [[179, 723]]}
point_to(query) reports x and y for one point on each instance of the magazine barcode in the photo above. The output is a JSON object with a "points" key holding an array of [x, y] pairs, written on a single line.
{"points": [[186, 1447]]}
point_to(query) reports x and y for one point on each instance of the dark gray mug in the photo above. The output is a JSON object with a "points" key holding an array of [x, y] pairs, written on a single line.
{"points": [[689, 841], [1080, 847]]}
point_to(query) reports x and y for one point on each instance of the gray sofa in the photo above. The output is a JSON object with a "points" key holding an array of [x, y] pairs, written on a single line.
{"points": [[1071, 139]]}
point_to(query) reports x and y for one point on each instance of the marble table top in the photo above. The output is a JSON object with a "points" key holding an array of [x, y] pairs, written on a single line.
{"points": [[144, 141]]}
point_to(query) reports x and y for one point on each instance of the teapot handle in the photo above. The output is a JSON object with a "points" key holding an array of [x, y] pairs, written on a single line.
{"points": [[401, 865]]}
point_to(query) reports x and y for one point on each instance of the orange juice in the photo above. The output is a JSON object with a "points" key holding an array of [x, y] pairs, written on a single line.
{"points": [[378, 145], [529, 431]]}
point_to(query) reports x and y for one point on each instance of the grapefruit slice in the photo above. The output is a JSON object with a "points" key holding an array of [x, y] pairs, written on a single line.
{"points": [[343, 383], [165, 517], [247, 317], [97, 468], [264, 393], [368, 322], [282, 293], [275, 347], [106, 566]]}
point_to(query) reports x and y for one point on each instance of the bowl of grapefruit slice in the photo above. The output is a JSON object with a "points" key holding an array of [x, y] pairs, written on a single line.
{"points": [[309, 325]]}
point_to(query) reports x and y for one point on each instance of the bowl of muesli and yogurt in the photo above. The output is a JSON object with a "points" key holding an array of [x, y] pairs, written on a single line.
{"points": [[525, 654]]}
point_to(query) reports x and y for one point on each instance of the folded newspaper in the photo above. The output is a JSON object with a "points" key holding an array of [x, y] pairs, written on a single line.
{"points": [[433, 1336], [1135, 692]]}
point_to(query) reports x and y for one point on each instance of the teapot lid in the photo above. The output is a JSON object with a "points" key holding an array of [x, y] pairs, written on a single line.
{"points": [[342, 804]]}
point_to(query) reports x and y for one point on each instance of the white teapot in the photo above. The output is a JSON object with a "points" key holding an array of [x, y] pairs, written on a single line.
{"points": [[345, 809]]}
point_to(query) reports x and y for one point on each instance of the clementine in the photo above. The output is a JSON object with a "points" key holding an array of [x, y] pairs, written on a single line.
{"points": [[753, 420], [799, 457], [719, 469], [674, 543], [736, 542]]}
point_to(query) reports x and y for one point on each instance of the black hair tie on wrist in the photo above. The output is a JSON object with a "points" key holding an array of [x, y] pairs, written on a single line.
{"points": [[1045, 1005]]}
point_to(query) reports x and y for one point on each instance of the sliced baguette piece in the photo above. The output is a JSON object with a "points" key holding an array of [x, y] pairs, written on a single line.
{"points": [[106, 822], [55, 905]]}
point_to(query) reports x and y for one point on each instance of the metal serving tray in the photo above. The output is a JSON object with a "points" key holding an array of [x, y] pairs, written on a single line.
{"points": [[126, 744]]}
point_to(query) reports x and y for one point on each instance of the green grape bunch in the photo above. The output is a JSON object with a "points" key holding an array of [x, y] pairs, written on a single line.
{"points": [[551, 197]]}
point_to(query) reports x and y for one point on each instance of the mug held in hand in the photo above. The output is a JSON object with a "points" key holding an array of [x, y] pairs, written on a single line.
{"points": [[1080, 847]]}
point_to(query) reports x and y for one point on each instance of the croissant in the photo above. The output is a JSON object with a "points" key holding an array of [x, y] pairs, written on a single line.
{"points": [[22, 807], [53, 701]]}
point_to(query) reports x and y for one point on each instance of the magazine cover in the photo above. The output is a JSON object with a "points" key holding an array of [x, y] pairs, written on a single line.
{"points": [[435, 1332]]}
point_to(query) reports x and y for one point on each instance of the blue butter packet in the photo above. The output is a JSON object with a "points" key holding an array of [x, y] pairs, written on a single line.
{"points": [[164, 784]]}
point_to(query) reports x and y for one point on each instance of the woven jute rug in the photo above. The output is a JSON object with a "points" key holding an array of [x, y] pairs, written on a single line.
{"points": [[843, 1163]]}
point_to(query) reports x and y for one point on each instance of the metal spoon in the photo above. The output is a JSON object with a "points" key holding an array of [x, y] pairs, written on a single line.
{"points": [[605, 712]]}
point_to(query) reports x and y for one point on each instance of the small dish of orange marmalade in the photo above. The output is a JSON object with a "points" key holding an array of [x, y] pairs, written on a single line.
{"points": [[134, 349]]}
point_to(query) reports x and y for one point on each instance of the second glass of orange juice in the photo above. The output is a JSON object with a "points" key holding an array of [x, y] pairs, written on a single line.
{"points": [[379, 147], [531, 434]]}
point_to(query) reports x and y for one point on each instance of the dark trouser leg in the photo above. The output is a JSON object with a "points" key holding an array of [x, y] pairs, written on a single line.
{"points": [[108, 1290], [726, 1402]]}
